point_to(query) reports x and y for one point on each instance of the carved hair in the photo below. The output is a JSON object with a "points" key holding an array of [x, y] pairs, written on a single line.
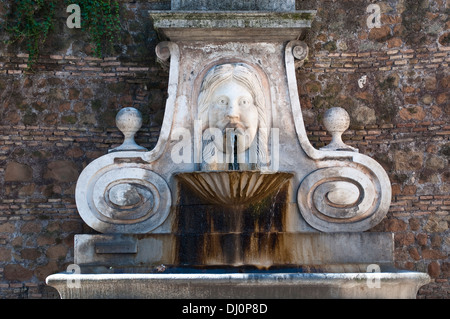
{"points": [[246, 77]]}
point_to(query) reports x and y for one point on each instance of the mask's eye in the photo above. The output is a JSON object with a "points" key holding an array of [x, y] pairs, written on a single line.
{"points": [[244, 102], [223, 101]]}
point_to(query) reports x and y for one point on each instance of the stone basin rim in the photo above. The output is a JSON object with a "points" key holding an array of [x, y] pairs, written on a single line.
{"points": [[241, 276], [401, 284]]}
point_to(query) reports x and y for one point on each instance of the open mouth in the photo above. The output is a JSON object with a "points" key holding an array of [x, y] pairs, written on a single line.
{"points": [[235, 128]]}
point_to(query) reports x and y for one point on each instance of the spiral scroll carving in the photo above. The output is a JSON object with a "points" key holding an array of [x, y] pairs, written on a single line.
{"points": [[299, 50], [336, 199], [123, 198]]}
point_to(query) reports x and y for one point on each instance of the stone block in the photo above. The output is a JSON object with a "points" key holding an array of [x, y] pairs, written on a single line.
{"points": [[380, 34], [408, 160], [17, 172], [7, 227], [5, 254], [62, 171], [434, 269], [31, 227], [17, 272], [231, 26], [57, 251], [412, 113], [139, 253], [364, 115], [437, 224], [30, 253], [435, 162]]}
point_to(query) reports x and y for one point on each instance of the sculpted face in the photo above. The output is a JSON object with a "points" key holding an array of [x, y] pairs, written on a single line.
{"points": [[233, 112]]}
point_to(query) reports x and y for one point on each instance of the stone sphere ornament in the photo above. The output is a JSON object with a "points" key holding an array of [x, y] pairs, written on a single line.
{"points": [[336, 120], [129, 121]]}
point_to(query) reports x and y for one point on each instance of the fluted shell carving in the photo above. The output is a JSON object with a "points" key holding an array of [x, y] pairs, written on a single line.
{"points": [[343, 199], [123, 198], [229, 188]]}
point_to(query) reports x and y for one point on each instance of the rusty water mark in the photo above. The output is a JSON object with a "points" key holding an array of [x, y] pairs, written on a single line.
{"points": [[219, 235]]}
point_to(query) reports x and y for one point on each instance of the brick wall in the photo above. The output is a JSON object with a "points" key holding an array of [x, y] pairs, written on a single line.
{"points": [[399, 113], [394, 81]]}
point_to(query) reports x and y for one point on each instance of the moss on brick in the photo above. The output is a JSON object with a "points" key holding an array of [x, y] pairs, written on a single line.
{"points": [[30, 118], [96, 105], [69, 119]]}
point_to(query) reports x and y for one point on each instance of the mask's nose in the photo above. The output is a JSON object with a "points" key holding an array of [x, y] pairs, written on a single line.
{"points": [[233, 111]]}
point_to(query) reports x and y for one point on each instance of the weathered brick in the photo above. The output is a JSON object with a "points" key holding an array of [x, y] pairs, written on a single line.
{"points": [[18, 172], [15, 272]]}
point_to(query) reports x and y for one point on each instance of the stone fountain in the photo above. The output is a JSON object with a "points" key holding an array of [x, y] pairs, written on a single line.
{"points": [[234, 201]]}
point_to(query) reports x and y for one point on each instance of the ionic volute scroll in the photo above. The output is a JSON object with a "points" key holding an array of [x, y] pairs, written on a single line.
{"points": [[300, 52]]}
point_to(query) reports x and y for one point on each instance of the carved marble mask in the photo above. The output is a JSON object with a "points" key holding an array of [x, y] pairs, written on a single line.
{"points": [[234, 113]]}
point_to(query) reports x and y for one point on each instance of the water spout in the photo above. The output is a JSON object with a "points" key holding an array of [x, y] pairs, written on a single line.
{"points": [[232, 155]]}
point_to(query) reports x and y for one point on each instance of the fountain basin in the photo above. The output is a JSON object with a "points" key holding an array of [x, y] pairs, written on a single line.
{"points": [[233, 188], [389, 285]]}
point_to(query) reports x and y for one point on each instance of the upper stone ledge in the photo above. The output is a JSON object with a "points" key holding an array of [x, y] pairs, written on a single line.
{"points": [[251, 26], [249, 5]]}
